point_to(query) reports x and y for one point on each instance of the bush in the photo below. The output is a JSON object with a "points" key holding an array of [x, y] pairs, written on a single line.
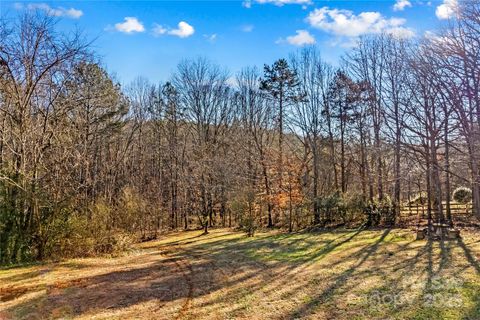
{"points": [[249, 225], [354, 204], [113, 243], [71, 231], [331, 207], [462, 195], [378, 211], [247, 211], [89, 233], [337, 208]]}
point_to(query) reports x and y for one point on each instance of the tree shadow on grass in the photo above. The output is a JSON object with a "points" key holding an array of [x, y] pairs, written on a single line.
{"points": [[474, 311], [170, 280], [468, 254], [309, 308], [271, 277], [183, 241], [229, 266], [24, 275], [443, 290], [187, 273]]}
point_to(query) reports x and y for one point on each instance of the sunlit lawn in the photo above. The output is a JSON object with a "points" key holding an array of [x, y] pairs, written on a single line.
{"points": [[345, 274]]}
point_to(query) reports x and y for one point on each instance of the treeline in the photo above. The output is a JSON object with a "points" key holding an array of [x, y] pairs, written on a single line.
{"points": [[87, 165]]}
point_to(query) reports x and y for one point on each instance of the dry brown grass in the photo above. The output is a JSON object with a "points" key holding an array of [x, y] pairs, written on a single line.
{"points": [[225, 275]]}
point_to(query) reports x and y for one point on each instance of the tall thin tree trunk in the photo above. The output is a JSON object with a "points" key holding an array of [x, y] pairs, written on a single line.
{"points": [[316, 205], [397, 175], [447, 170], [379, 163], [437, 199], [267, 193], [342, 157], [429, 188], [332, 150], [280, 142]]}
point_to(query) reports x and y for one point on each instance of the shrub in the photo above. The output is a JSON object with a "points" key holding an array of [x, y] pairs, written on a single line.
{"points": [[89, 233], [113, 243], [247, 211], [249, 225], [377, 211], [462, 195], [354, 204], [331, 207]]}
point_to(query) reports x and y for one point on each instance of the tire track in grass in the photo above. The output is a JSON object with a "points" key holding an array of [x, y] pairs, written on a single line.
{"points": [[185, 268], [186, 271]]}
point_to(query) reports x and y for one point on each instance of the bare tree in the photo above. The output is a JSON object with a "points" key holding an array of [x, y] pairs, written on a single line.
{"points": [[367, 63], [458, 52], [204, 95], [35, 63], [394, 99], [314, 78], [257, 118]]}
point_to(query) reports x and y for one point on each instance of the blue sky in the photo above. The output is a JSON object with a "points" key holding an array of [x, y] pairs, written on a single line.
{"points": [[149, 38]]}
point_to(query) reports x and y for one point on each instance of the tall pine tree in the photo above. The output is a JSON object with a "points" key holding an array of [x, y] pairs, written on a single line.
{"points": [[280, 83]]}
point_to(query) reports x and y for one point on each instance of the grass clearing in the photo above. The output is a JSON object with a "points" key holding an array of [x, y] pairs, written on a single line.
{"points": [[341, 274]]}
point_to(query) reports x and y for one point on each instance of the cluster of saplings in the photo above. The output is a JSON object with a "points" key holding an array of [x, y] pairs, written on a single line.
{"points": [[88, 166]]}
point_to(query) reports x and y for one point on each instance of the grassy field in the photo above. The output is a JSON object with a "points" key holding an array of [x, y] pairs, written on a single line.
{"points": [[343, 274]]}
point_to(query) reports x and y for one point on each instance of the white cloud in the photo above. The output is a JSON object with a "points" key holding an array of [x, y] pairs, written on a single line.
{"points": [[347, 43], [401, 32], [447, 9], [184, 30], [438, 39], [55, 12], [72, 13], [432, 36], [345, 23], [247, 28], [210, 37], [283, 2], [131, 25], [232, 82], [159, 30], [401, 4], [248, 3], [302, 38]]}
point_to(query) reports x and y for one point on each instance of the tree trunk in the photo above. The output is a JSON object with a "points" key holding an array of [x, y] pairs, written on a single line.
{"points": [[397, 175], [332, 149], [437, 199], [316, 205], [342, 154], [379, 163], [280, 142], [447, 172], [267, 193]]}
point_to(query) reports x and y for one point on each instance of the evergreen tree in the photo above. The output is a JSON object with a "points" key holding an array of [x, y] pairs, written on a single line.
{"points": [[280, 82]]}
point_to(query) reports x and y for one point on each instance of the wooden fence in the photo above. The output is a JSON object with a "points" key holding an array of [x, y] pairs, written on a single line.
{"points": [[411, 213], [455, 207]]}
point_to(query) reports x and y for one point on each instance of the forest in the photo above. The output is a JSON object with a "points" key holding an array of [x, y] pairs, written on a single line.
{"points": [[89, 166]]}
